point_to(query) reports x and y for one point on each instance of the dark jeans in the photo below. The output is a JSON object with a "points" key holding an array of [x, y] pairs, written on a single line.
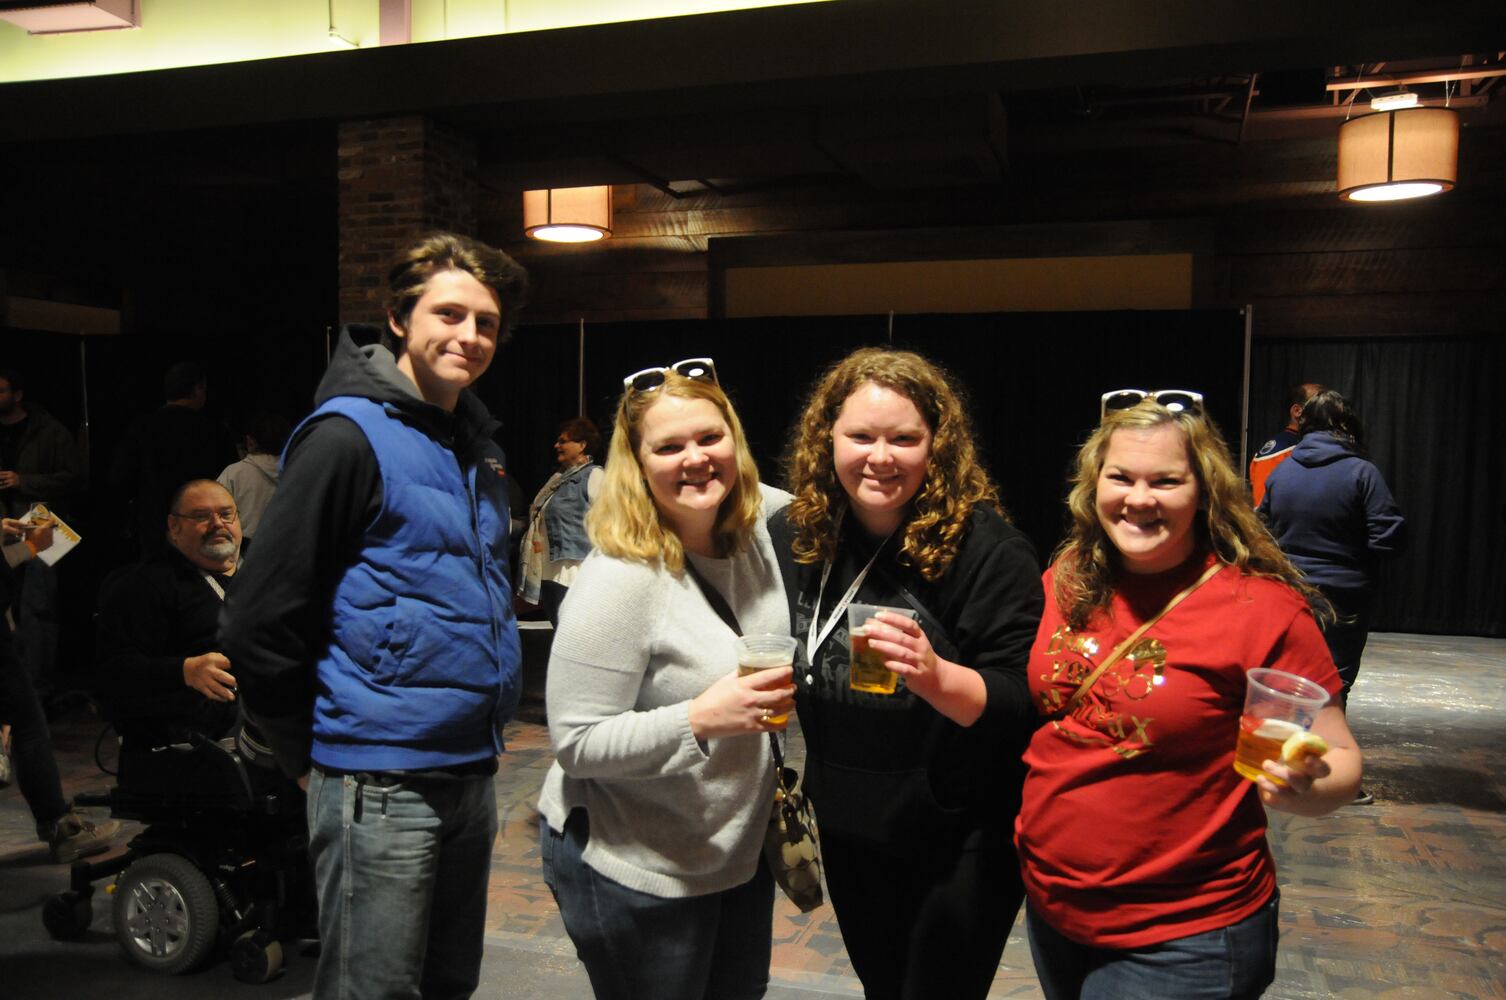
{"points": [[402, 874], [37, 611], [1346, 637], [1232, 963], [930, 924], [641, 947], [30, 742], [551, 596]]}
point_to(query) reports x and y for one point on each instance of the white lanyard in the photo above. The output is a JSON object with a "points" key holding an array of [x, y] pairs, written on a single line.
{"points": [[813, 640], [214, 584]]}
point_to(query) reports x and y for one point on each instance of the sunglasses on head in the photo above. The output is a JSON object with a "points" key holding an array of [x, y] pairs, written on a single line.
{"points": [[1175, 400], [650, 379]]}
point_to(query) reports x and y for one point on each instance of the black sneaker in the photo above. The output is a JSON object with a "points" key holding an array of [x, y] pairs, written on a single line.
{"points": [[74, 837], [1362, 798]]}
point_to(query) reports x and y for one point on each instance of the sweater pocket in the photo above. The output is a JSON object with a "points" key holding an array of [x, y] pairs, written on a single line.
{"points": [[893, 811]]}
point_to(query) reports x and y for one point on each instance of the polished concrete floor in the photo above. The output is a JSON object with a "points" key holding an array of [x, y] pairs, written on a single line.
{"points": [[1402, 899]]}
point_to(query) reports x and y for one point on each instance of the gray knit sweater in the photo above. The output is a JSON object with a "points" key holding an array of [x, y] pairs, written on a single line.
{"points": [[669, 816]]}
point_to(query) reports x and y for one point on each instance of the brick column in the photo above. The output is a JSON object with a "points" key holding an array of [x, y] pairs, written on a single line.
{"points": [[398, 178]]}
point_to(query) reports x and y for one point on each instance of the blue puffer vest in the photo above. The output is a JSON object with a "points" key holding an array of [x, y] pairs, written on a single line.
{"points": [[422, 669], [565, 516]]}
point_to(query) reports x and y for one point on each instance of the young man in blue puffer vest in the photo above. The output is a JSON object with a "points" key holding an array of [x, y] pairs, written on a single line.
{"points": [[373, 635]]}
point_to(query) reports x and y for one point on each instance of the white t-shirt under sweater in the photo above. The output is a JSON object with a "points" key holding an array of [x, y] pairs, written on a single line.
{"points": [[668, 816]]}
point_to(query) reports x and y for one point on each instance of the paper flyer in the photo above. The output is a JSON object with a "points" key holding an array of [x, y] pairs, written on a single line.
{"points": [[64, 538]]}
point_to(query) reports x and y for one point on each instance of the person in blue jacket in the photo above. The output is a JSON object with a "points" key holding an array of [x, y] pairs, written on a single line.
{"points": [[1335, 518], [375, 644]]}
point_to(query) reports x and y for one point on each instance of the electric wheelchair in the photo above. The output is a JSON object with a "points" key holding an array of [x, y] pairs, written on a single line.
{"points": [[221, 865]]}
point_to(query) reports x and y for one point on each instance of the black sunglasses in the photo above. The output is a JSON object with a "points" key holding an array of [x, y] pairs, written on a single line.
{"points": [[1175, 400], [650, 379]]}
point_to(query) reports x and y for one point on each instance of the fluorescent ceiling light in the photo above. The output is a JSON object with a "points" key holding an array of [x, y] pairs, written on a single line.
{"points": [[57, 18]]}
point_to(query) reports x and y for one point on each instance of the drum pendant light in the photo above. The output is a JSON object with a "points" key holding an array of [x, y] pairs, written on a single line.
{"points": [[1398, 154], [568, 215]]}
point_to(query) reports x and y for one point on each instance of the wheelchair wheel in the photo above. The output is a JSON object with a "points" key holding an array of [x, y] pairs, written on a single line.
{"points": [[67, 915], [166, 915]]}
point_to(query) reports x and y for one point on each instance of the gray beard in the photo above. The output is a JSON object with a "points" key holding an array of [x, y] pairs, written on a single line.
{"points": [[219, 551]]}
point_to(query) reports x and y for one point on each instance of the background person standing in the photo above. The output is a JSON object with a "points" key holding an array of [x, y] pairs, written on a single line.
{"points": [[556, 542], [1333, 515]]}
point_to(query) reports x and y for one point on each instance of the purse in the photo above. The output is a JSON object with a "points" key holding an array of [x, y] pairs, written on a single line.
{"points": [[791, 847]]}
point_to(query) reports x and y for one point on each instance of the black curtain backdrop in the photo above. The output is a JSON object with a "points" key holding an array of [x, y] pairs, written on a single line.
{"points": [[1436, 428], [1032, 381]]}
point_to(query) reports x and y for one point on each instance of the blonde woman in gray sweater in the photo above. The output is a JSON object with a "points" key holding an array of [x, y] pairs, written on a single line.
{"points": [[654, 811]]}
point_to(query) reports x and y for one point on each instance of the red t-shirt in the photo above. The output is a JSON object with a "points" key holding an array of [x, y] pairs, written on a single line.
{"points": [[1135, 828]]}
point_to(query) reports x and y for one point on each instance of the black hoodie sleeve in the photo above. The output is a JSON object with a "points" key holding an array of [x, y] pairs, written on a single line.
{"points": [[276, 619]]}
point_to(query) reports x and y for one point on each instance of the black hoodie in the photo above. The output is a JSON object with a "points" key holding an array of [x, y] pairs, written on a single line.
{"points": [[275, 625]]}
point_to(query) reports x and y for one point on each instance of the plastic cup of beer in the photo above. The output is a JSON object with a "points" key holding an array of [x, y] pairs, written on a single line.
{"points": [[765, 652], [868, 672], [1278, 705]]}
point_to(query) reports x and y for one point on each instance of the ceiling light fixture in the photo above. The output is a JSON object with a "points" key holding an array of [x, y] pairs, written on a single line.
{"points": [[1394, 102], [1396, 155], [568, 215], [60, 18]]}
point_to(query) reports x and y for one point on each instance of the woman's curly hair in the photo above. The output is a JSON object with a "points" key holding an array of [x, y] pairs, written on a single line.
{"points": [[1086, 560], [955, 482]]}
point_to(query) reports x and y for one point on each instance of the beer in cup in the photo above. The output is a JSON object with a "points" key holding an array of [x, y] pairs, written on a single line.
{"points": [[1278, 706], [868, 672], [763, 652]]}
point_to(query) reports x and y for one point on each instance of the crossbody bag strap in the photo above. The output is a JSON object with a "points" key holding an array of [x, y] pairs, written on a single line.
{"points": [[724, 612], [1134, 637]]}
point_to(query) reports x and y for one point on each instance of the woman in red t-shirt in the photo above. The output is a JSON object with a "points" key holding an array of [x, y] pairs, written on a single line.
{"points": [[1146, 867]]}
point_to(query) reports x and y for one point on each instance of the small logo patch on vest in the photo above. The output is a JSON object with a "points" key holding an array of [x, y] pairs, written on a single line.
{"points": [[497, 468]]}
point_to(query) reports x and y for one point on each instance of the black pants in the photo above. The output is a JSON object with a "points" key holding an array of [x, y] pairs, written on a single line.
{"points": [[551, 596], [923, 926], [1347, 635]]}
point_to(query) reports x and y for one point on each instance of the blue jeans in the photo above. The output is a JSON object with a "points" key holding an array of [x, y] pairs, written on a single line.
{"points": [[641, 947], [1231, 963], [402, 874]]}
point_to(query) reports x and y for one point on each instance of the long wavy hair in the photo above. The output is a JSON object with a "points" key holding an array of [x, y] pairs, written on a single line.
{"points": [[1086, 561], [955, 481], [625, 522]]}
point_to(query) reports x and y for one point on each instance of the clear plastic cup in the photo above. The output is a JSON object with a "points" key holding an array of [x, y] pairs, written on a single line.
{"points": [[867, 672], [1278, 705], [765, 652]]}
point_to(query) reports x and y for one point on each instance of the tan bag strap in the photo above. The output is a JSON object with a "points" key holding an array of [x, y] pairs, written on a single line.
{"points": [[1134, 637]]}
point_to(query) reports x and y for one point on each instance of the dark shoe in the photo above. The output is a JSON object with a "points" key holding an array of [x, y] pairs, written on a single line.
{"points": [[74, 837], [1362, 798]]}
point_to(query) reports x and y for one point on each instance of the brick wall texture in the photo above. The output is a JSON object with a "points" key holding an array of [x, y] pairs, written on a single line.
{"points": [[398, 178]]}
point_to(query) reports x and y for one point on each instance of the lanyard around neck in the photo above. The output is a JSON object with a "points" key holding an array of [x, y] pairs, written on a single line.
{"points": [[813, 640], [214, 584]]}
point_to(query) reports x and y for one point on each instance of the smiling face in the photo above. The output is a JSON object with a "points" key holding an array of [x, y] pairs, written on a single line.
{"points": [[689, 460], [1147, 498], [568, 453], [205, 528], [451, 336], [881, 447]]}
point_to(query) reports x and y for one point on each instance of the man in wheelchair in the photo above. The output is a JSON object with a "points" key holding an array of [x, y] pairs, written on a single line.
{"points": [[222, 857], [160, 680]]}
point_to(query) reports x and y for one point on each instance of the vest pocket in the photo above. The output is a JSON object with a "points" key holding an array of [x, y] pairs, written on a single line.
{"points": [[391, 648]]}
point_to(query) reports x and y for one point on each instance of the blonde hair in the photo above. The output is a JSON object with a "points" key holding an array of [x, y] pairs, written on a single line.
{"points": [[955, 481], [1226, 523], [624, 521]]}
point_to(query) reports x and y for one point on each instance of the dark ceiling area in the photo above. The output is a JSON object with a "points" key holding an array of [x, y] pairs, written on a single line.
{"points": [[838, 117]]}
